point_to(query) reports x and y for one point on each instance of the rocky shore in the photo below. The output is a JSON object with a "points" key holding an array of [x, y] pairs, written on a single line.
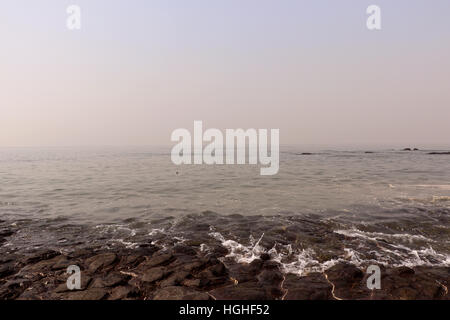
{"points": [[185, 272]]}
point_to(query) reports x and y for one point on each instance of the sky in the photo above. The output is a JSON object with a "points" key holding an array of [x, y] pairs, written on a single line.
{"points": [[137, 70]]}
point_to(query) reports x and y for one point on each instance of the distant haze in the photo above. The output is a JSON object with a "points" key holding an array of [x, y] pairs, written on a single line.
{"points": [[137, 70]]}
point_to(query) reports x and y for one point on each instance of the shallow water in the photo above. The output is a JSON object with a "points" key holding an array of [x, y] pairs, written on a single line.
{"points": [[390, 207]]}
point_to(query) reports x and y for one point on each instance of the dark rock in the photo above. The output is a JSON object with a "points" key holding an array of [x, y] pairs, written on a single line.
{"points": [[131, 261], [440, 153], [157, 260], [312, 287], [81, 253], [191, 282], [145, 273], [218, 251], [175, 279], [90, 294], [6, 233], [14, 288], [110, 280], [179, 293], [6, 269], [121, 293], [154, 274], [42, 265], [424, 283], [407, 149], [250, 290], [246, 272], [62, 263], [265, 257], [39, 256], [348, 281], [405, 271], [184, 250], [100, 261]]}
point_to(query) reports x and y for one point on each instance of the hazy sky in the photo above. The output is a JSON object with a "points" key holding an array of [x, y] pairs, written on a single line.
{"points": [[140, 69]]}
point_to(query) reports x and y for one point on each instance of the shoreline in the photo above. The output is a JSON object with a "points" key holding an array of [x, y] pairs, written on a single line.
{"points": [[184, 272]]}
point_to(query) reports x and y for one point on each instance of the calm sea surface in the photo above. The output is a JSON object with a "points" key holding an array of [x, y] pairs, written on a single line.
{"points": [[66, 197]]}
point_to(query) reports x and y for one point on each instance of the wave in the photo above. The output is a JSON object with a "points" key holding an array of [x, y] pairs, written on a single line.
{"points": [[304, 261]]}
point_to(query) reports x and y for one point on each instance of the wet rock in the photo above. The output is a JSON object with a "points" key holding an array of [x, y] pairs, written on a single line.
{"points": [[81, 253], [184, 250], [90, 294], [250, 290], [154, 274], [312, 287], [42, 265], [110, 280], [348, 281], [218, 251], [157, 260], [100, 261], [213, 275], [121, 293], [39, 256], [265, 257], [14, 288], [191, 282], [192, 266], [6, 269], [6, 233], [270, 278], [61, 263], [131, 261], [404, 271], [175, 279], [29, 295], [179, 293], [246, 272], [425, 283], [180, 274]]}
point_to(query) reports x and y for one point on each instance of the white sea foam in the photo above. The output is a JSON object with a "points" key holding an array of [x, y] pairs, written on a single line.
{"points": [[156, 231], [239, 252], [374, 236], [305, 261]]}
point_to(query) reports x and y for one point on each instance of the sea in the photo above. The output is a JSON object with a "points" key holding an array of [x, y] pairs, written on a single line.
{"points": [[361, 205]]}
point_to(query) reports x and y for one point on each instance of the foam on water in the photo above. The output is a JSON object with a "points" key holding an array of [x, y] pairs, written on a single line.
{"points": [[305, 261], [374, 236]]}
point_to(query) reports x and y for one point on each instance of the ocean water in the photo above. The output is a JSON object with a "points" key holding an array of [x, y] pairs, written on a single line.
{"points": [[387, 206]]}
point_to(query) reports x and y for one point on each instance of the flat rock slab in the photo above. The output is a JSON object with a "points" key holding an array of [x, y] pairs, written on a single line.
{"points": [[251, 290], [179, 293], [100, 261]]}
